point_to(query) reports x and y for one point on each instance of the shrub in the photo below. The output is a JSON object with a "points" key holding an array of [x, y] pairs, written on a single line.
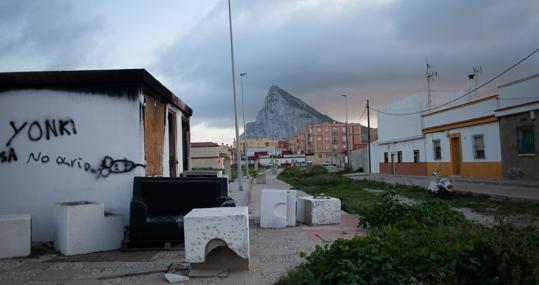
{"points": [[424, 244]]}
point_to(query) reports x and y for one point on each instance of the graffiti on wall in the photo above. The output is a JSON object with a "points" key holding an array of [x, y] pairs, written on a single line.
{"points": [[47, 129], [50, 128], [8, 156]]}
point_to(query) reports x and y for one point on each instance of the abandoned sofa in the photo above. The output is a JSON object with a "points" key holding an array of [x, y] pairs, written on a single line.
{"points": [[159, 204]]}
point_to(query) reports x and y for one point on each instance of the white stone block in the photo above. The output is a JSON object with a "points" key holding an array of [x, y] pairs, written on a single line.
{"points": [[291, 208], [15, 235], [300, 209], [209, 228], [261, 178], [84, 227], [273, 208], [322, 211]]}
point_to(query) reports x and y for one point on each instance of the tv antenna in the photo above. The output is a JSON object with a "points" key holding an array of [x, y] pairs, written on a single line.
{"points": [[429, 75], [477, 70]]}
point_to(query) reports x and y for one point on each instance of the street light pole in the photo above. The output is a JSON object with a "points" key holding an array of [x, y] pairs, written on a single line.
{"points": [[238, 157], [347, 133], [244, 134]]}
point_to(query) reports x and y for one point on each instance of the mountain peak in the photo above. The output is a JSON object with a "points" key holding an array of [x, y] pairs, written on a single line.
{"points": [[283, 116]]}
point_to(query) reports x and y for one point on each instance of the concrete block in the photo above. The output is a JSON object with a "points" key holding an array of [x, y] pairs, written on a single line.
{"points": [[322, 210], [15, 235], [261, 178], [208, 229], [273, 208], [300, 209], [84, 227], [291, 208]]}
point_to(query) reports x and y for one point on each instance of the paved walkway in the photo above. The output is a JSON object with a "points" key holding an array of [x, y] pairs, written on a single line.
{"points": [[514, 190], [273, 253]]}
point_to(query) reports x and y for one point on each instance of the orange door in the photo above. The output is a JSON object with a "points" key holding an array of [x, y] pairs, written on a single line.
{"points": [[456, 155]]}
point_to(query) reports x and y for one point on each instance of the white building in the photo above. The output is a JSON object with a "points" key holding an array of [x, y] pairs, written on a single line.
{"points": [[208, 155], [457, 135], [83, 135]]}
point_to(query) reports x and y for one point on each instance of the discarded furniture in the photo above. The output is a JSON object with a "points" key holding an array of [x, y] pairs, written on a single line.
{"points": [[84, 227], [277, 208], [320, 210], [213, 230], [15, 235], [261, 178], [160, 203]]}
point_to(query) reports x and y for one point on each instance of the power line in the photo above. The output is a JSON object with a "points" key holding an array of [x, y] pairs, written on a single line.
{"points": [[362, 113], [466, 94]]}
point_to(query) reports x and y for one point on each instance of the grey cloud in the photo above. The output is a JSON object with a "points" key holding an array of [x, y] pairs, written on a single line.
{"points": [[50, 35], [372, 51]]}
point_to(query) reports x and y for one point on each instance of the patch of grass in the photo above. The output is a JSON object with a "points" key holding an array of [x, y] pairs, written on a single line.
{"points": [[480, 203], [315, 180], [426, 243]]}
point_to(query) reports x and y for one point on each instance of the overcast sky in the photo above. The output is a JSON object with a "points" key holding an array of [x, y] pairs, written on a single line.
{"points": [[315, 49]]}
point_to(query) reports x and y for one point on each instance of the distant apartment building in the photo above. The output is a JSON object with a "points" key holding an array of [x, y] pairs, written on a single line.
{"points": [[518, 109], [328, 142], [262, 145], [333, 137], [298, 143], [209, 155]]}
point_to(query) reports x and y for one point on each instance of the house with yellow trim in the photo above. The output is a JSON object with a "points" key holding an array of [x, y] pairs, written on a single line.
{"points": [[462, 134], [464, 140], [456, 133]]}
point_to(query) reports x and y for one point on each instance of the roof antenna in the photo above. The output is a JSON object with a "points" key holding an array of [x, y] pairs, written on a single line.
{"points": [[477, 70], [429, 74]]}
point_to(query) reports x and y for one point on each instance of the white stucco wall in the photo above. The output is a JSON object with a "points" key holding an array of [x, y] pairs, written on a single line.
{"points": [[519, 92], [466, 112], [398, 127], [105, 126], [407, 147], [491, 137]]}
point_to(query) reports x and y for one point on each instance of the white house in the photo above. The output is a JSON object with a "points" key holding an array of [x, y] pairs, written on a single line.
{"points": [[401, 142], [83, 135]]}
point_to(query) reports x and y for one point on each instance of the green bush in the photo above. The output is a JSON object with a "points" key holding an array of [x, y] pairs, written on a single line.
{"points": [[426, 243]]}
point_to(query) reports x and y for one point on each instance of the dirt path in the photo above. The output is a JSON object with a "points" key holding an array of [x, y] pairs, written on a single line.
{"points": [[487, 220]]}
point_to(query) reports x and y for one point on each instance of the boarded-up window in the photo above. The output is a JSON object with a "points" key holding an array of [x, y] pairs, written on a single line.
{"points": [[154, 135]]}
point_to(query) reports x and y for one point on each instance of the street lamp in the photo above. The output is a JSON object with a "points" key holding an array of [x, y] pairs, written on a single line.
{"points": [[244, 134], [238, 157], [347, 138]]}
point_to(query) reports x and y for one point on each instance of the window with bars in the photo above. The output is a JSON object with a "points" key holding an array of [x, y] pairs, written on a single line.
{"points": [[386, 157], [526, 140], [478, 147], [399, 156], [416, 155], [437, 149]]}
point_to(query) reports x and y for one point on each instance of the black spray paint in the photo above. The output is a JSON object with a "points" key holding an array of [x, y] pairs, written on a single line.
{"points": [[107, 167], [8, 156], [37, 130], [110, 166]]}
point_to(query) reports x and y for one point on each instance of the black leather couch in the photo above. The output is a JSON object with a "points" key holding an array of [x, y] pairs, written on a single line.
{"points": [[159, 204]]}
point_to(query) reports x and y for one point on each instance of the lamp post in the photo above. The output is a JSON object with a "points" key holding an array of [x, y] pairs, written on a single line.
{"points": [[244, 134], [347, 138], [238, 157]]}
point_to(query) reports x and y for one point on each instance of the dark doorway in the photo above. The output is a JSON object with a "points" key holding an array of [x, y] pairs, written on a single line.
{"points": [[186, 143], [172, 139]]}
